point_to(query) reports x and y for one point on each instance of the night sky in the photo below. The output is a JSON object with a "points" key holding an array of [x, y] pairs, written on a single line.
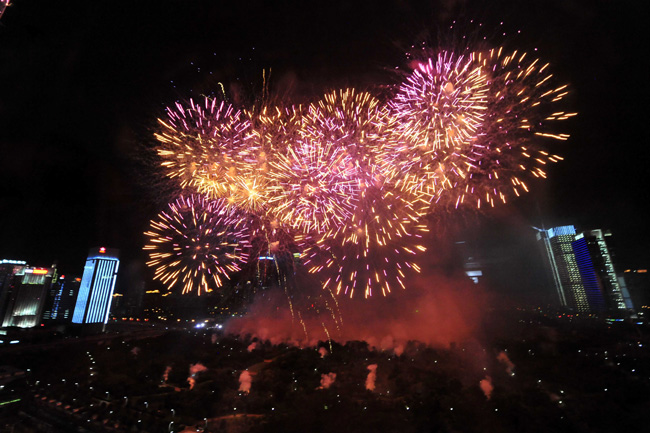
{"points": [[82, 83]]}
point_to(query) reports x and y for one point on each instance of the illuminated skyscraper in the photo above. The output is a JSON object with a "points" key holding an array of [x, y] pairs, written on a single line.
{"points": [[8, 271], [97, 285], [596, 243], [583, 270], [24, 290], [61, 300], [561, 261], [590, 280]]}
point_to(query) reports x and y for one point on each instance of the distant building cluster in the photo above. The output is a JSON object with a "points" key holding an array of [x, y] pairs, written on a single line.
{"points": [[582, 269], [32, 296]]}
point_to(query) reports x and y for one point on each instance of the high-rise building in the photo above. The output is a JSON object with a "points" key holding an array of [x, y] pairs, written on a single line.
{"points": [[638, 282], [8, 271], [61, 300], [597, 245], [97, 284], [590, 280], [23, 294], [561, 262], [582, 267]]}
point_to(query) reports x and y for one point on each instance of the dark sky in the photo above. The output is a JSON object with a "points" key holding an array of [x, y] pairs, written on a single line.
{"points": [[82, 82]]}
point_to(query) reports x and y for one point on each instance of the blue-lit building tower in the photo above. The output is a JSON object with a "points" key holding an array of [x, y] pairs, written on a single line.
{"points": [[600, 249], [97, 285], [590, 281], [561, 262]]}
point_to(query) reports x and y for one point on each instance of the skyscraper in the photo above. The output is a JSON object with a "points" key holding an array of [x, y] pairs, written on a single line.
{"points": [[638, 282], [583, 271], [596, 242], [97, 285], [23, 294], [590, 280], [61, 300], [561, 262], [8, 271]]}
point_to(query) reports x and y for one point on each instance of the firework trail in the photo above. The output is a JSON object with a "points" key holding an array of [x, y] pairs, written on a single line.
{"points": [[273, 250], [276, 265], [196, 242]]}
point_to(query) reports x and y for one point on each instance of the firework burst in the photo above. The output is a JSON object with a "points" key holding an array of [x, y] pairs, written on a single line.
{"points": [[196, 242], [314, 186], [439, 110], [356, 122], [522, 106], [205, 146], [372, 252]]}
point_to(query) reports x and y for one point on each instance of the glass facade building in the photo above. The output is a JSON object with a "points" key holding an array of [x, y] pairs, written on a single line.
{"points": [[583, 271], [97, 285], [590, 280], [61, 300], [597, 244], [24, 290], [561, 261]]}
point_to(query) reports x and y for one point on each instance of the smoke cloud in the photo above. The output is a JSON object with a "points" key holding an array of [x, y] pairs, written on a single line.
{"points": [[502, 357], [326, 380], [435, 309], [245, 380], [372, 376], [135, 351], [486, 386], [252, 346], [323, 352], [195, 369], [165, 376]]}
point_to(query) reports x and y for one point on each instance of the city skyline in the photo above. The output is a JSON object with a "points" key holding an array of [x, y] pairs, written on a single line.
{"points": [[343, 216]]}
